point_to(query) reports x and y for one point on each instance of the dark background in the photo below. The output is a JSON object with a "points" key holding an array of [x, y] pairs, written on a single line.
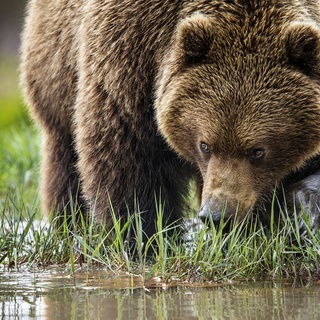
{"points": [[11, 22]]}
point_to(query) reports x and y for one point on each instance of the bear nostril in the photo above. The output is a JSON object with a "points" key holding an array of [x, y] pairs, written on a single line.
{"points": [[207, 216]]}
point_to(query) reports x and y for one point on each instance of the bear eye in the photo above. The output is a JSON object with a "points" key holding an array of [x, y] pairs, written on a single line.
{"points": [[257, 154], [204, 147]]}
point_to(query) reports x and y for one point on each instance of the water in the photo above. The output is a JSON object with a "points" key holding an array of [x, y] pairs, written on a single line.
{"points": [[100, 294]]}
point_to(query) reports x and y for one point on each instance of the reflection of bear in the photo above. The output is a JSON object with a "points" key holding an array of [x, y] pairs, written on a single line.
{"points": [[230, 86]]}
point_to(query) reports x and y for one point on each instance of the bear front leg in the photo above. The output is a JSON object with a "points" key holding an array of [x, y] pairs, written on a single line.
{"points": [[126, 167], [59, 179]]}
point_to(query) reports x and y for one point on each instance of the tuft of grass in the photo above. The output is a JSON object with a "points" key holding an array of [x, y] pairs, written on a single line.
{"points": [[248, 251]]}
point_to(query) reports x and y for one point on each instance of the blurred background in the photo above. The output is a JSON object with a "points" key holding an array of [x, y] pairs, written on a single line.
{"points": [[19, 140], [11, 22]]}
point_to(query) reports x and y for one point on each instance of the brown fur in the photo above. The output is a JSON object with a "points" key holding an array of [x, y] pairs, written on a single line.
{"points": [[102, 78]]}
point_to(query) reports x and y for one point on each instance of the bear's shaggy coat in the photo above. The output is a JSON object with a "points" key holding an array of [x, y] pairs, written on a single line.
{"points": [[135, 98]]}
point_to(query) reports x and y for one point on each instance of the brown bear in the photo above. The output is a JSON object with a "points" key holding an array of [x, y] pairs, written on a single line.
{"points": [[136, 98]]}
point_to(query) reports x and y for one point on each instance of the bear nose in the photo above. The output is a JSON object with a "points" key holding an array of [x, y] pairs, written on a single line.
{"points": [[208, 216]]}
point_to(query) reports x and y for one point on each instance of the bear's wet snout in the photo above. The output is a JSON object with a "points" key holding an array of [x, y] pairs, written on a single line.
{"points": [[209, 213]]}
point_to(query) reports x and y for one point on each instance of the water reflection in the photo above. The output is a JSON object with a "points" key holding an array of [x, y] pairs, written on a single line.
{"points": [[101, 295]]}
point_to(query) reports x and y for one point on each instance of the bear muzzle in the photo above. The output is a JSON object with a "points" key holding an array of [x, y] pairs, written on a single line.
{"points": [[221, 214], [212, 212]]}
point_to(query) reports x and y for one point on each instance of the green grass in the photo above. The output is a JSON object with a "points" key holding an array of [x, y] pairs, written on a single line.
{"points": [[248, 251], [19, 160]]}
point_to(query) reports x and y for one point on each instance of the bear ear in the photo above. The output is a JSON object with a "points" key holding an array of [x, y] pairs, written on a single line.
{"points": [[303, 48], [194, 38]]}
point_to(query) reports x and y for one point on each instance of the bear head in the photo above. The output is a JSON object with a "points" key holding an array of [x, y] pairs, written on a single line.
{"points": [[240, 99]]}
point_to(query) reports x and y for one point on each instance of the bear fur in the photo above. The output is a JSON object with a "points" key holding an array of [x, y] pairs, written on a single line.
{"points": [[136, 98]]}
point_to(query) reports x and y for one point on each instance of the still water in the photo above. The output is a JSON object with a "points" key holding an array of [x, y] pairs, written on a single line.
{"points": [[99, 294]]}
